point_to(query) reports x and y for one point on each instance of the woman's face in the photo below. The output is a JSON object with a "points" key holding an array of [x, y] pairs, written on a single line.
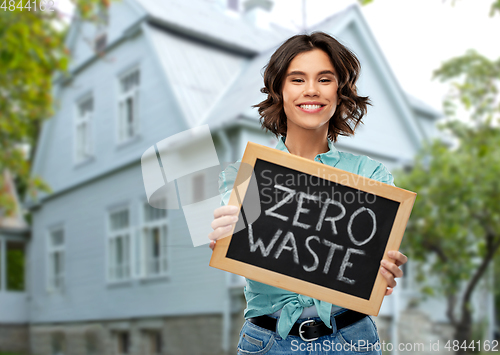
{"points": [[310, 91]]}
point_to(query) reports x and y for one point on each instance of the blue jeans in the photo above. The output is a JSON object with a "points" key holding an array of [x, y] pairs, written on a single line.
{"points": [[360, 337]]}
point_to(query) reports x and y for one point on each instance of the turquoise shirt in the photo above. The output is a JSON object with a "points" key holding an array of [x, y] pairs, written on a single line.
{"points": [[265, 299]]}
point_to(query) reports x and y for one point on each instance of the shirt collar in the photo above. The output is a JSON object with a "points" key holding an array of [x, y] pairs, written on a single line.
{"points": [[331, 157]]}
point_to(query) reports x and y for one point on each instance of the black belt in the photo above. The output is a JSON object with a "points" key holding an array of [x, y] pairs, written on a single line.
{"points": [[310, 330]]}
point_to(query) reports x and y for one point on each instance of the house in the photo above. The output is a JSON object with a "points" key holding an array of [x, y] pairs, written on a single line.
{"points": [[109, 274], [14, 239]]}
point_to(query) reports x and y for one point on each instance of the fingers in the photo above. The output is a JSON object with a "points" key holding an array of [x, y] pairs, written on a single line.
{"points": [[225, 210], [392, 268], [225, 217], [389, 290], [398, 257], [221, 232], [223, 221], [389, 277]]}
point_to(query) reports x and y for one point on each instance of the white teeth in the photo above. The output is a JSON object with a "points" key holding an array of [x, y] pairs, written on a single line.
{"points": [[310, 107]]}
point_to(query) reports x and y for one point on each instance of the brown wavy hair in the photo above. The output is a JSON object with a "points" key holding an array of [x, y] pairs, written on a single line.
{"points": [[352, 107]]}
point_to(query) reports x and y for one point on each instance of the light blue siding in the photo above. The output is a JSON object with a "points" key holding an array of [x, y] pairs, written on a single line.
{"points": [[206, 76], [122, 14], [159, 116], [192, 287]]}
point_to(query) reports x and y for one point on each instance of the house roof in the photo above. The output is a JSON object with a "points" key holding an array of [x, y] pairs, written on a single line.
{"points": [[423, 107], [213, 62], [232, 85], [190, 17], [245, 90], [197, 73]]}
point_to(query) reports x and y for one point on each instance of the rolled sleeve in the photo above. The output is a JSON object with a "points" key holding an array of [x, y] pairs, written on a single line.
{"points": [[382, 174], [226, 182]]}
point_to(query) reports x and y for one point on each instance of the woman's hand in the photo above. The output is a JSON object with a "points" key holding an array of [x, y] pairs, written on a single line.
{"points": [[390, 270], [224, 219]]}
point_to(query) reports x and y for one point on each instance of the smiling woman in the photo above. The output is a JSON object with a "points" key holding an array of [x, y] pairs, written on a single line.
{"points": [[322, 72], [302, 90], [310, 82]]}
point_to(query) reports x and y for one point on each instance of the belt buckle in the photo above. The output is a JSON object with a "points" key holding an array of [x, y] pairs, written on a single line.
{"points": [[303, 331]]}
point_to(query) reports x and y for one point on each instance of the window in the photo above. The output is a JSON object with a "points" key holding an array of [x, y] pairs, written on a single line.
{"points": [[82, 129], [128, 103], [102, 21], [91, 343], [154, 241], [56, 260], [233, 5], [153, 342], [119, 245], [15, 266], [58, 344], [100, 43], [123, 342], [236, 281]]}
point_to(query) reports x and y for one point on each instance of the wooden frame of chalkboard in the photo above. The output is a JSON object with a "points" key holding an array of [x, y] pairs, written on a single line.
{"points": [[309, 237]]}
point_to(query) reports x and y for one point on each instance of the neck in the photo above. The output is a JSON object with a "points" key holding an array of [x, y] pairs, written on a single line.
{"points": [[306, 144]]}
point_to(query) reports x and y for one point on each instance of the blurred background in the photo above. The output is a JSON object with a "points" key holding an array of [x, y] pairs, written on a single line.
{"points": [[87, 266]]}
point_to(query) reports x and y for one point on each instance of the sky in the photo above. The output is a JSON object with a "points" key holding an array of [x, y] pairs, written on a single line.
{"points": [[416, 36]]}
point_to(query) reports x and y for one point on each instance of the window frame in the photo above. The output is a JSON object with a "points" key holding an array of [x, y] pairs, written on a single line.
{"points": [[101, 29], [121, 137], [118, 341], [78, 120], [113, 235], [150, 337], [143, 258], [50, 250]]}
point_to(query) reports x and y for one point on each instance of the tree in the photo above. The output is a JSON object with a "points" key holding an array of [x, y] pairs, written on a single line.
{"points": [[32, 51], [456, 216]]}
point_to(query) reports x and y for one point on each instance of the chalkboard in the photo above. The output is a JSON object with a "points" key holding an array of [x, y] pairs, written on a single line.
{"points": [[320, 231]]}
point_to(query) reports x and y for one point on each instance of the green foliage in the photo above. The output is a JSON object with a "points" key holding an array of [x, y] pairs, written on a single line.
{"points": [[31, 51], [495, 8], [496, 287], [454, 229], [456, 215], [475, 87]]}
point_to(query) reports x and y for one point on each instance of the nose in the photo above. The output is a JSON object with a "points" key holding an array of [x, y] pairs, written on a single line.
{"points": [[311, 89]]}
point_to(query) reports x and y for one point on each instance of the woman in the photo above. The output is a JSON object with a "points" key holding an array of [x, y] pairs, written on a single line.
{"points": [[311, 85]]}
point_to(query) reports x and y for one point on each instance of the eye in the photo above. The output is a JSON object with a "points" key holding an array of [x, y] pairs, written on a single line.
{"points": [[325, 80], [297, 80]]}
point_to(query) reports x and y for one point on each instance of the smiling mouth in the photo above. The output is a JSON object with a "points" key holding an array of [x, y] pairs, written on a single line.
{"points": [[311, 108]]}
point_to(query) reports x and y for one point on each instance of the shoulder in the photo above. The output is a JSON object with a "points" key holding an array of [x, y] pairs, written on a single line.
{"points": [[365, 166]]}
